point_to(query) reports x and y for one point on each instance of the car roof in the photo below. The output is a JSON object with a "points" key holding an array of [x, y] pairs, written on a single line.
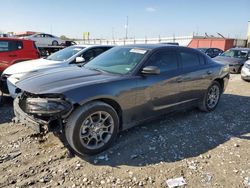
{"points": [[92, 45], [13, 38], [244, 49], [147, 46], [157, 46], [208, 48]]}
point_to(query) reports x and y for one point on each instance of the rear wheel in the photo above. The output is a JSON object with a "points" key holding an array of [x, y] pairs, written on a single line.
{"points": [[54, 43], [211, 98], [91, 128]]}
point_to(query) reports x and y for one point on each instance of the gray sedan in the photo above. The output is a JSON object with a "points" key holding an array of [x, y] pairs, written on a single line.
{"points": [[117, 90]]}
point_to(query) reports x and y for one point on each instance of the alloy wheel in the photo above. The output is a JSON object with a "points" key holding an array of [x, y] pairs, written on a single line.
{"points": [[213, 96], [96, 130]]}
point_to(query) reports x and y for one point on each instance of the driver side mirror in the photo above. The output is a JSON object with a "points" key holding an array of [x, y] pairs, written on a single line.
{"points": [[80, 60], [151, 70]]}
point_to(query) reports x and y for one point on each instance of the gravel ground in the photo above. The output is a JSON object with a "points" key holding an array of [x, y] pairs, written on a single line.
{"points": [[206, 149]]}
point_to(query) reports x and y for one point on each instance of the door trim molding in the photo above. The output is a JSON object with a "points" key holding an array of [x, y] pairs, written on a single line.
{"points": [[174, 104]]}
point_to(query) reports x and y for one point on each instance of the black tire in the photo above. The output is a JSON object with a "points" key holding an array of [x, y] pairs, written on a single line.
{"points": [[55, 43], [75, 124], [43, 52], [204, 104], [1, 98], [246, 80]]}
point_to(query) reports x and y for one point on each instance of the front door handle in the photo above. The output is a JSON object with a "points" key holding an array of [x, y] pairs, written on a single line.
{"points": [[12, 55]]}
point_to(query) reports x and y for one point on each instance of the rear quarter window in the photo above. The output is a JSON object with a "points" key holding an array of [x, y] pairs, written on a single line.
{"points": [[15, 45], [202, 59], [34, 45]]}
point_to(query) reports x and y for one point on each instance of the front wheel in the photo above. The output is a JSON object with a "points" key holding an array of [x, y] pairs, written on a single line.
{"points": [[92, 128], [211, 98], [1, 98]]}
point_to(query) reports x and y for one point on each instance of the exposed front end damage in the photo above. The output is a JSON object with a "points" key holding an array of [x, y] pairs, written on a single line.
{"points": [[42, 112]]}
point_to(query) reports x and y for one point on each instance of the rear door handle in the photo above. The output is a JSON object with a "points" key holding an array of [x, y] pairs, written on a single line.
{"points": [[179, 80], [209, 72]]}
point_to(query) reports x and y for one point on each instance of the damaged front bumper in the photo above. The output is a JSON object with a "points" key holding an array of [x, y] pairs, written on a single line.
{"points": [[38, 125], [41, 113]]}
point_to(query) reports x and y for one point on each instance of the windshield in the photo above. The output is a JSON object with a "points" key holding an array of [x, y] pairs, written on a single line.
{"points": [[65, 54], [118, 60], [235, 53]]}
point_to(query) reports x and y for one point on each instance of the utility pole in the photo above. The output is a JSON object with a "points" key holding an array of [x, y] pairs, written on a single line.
{"points": [[51, 29], [113, 33], [248, 35], [126, 27]]}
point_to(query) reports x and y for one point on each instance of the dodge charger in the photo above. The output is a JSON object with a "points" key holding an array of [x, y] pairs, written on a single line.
{"points": [[117, 90]]}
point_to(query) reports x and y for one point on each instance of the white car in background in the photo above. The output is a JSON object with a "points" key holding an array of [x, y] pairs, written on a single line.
{"points": [[245, 71], [70, 56], [45, 40]]}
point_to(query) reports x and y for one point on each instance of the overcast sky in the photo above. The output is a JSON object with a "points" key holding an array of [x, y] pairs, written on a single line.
{"points": [[105, 18]]}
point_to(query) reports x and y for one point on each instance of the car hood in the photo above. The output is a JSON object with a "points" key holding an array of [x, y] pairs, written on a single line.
{"points": [[60, 80], [228, 60], [32, 65]]}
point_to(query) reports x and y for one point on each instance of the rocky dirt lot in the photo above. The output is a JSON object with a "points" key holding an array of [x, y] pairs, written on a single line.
{"points": [[206, 149]]}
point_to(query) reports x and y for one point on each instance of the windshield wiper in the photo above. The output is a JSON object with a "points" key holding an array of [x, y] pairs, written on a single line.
{"points": [[101, 70], [95, 69]]}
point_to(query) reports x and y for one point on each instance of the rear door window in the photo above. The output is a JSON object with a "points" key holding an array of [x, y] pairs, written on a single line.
{"points": [[189, 59], [216, 51], [210, 52], [89, 55], [15, 45], [98, 51]]}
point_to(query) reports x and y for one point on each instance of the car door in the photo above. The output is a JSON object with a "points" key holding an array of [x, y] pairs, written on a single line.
{"points": [[39, 38], [49, 39], [195, 75], [159, 92]]}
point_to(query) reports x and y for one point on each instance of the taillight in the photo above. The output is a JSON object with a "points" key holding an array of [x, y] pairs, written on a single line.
{"points": [[37, 50], [34, 44], [38, 54]]}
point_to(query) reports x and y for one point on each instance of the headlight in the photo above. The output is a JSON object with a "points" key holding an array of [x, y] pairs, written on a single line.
{"points": [[47, 106], [226, 68], [247, 65]]}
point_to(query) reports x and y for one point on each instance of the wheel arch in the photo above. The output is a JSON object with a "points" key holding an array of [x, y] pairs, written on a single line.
{"points": [[221, 82], [114, 104]]}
